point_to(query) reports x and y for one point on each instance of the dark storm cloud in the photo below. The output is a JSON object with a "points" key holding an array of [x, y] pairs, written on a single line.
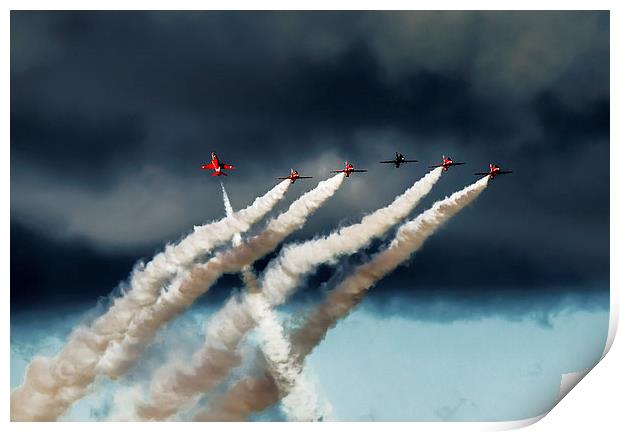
{"points": [[111, 113], [46, 273]]}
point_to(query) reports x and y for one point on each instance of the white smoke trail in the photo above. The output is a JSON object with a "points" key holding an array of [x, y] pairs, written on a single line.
{"points": [[146, 283], [182, 293], [284, 274], [247, 274], [51, 385], [260, 393], [66, 376], [227, 205], [298, 405], [244, 397], [230, 213], [188, 286], [173, 389], [147, 412], [275, 343], [301, 402]]}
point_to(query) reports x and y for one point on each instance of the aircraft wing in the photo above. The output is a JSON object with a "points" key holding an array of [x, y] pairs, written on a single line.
{"points": [[458, 163], [504, 172], [283, 178], [356, 170], [209, 166], [435, 166], [387, 161], [226, 166], [337, 171], [406, 161], [482, 174], [303, 177]]}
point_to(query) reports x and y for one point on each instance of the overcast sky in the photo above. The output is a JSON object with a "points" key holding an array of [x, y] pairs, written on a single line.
{"points": [[113, 113]]}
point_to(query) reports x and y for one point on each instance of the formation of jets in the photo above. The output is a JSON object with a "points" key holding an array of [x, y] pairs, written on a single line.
{"points": [[446, 163]]}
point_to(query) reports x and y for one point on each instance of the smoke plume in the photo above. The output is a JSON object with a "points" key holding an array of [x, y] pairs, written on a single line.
{"points": [[260, 393], [173, 389], [52, 385], [227, 205], [66, 376], [247, 274], [301, 402], [190, 285]]}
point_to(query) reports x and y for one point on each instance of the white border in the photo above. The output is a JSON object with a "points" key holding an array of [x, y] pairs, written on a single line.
{"points": [[590, 406]]}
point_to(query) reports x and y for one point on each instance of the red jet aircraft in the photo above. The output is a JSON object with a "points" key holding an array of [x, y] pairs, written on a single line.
{"points": [[447, 163], [217, 166], [493, 171], [348, 169], [293, 176]]}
